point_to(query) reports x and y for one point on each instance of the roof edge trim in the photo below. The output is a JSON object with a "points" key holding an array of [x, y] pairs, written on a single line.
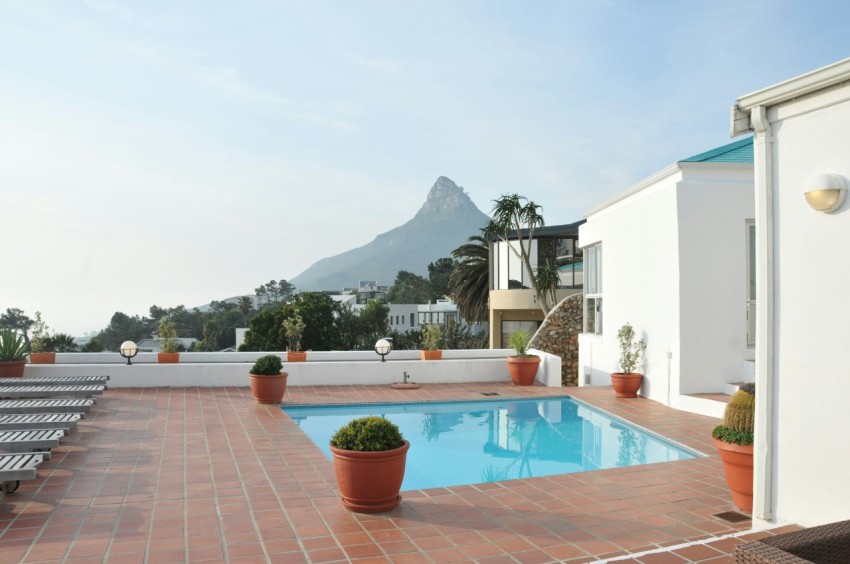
{"points": [[634, 189], [801, 85]]}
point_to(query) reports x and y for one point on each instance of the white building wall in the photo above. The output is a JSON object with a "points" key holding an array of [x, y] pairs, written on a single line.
{"points": [[640, 264], [714, 203], [812, 269]]}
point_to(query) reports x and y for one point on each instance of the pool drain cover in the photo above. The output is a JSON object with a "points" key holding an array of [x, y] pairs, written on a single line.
{"points": [[733, 517], [489, 393]]}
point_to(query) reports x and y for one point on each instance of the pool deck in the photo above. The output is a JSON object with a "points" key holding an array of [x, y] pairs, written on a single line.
{"points": [[157, 475]]}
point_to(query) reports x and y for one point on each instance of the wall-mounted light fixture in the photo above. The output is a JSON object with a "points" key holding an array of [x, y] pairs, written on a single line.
{"points": [[128, 350], [825, 192], [384, 347]]}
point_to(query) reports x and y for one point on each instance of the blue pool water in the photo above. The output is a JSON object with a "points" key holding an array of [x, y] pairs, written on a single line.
{"points": [[457, 443]]}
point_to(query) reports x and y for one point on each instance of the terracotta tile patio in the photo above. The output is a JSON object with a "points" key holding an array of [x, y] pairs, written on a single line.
{"points": [[190, 475]]}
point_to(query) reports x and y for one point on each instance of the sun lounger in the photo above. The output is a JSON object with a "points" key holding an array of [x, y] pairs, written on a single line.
{"points": [[24, 441], [54, 381], [18, 392], [46, 405], [17, 467], [40, 421]]}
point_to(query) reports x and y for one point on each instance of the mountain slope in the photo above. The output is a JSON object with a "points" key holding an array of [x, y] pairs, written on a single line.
{"points": [[446, 219]]}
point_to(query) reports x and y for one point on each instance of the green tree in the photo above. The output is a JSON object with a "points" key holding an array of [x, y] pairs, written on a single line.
{"points": [[374, 323], [318, 311], [245, 305], [94, 345], [16, 320], [439, 273], [62, 342], [470, 279], [515, 218], [122, 327], [409, 288]]}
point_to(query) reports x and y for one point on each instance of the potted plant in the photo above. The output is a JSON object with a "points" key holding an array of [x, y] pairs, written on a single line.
{"points": [[734, 443], [168, 344], [41, 346], [522, 366], [369, 458], [13, 353], [628, 382], [431, 337], [294, 328], [268, 380]]}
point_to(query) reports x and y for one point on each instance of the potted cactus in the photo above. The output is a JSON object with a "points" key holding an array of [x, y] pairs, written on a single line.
{"points": [[734, 443], [369, 458], [627, 383], [168, 343], [294, 328], [13, 353], [268, 380], [431, 337], [522, 366], [41, 345]]}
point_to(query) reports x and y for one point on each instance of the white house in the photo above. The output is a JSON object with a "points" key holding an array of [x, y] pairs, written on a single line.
{"points": [[801, 131], [670, 255]]}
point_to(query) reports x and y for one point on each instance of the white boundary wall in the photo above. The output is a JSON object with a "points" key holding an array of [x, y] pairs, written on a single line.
{"points": [[321, 369]]}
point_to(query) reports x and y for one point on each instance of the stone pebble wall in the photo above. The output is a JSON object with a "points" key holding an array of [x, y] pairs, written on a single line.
{"points": [[558, 335]]}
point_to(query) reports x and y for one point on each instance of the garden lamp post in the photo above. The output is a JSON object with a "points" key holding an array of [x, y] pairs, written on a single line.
{"points": [[128, 350], [384, 347]]}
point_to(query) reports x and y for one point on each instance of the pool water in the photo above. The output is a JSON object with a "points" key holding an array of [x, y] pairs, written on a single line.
{"points": [[459, 443]]}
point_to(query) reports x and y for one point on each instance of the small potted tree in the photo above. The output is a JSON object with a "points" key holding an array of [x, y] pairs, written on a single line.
{"points": [[41, 346], [13, 353], [734, 443], [168, 343], [268, 380], [522, 366], [369, 458], [628, 382], [294, 329], [432, 335]]}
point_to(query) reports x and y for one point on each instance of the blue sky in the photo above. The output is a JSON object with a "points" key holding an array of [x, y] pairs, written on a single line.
{"points": [[177, 152]]}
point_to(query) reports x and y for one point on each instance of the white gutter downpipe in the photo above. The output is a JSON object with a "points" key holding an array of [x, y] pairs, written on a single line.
{"points": [[763, 457]]}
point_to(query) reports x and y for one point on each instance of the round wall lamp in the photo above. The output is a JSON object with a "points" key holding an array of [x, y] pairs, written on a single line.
{"points": [[384, 347], [825, 192], [128, 350]]}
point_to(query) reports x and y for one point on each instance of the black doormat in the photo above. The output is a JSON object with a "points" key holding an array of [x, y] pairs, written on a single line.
{"points": [[733, 516], [489, 393]]}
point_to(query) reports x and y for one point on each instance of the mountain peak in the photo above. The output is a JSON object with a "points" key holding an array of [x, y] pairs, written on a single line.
{"points": [[445, 197]]}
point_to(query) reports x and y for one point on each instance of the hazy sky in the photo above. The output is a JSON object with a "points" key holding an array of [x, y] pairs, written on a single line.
{"points": [[168, 153]]}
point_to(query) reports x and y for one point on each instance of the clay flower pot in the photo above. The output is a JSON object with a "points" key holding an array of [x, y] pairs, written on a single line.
{"points": [[42, 358], [268, 389], [523, 369], [168, 358], [369, 482], [626, 384], [296, 356], [431, 355], [12, 368], [738, 465]]}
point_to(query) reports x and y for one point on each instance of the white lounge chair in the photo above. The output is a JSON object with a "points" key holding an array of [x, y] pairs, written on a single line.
{"points": [[46, 405], [30, 440], [55, 381], [17, 467], [19, 392], [40, 421]]}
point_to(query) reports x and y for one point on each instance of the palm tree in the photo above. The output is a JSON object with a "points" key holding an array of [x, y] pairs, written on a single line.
{"points": [[470, 280], [62, 342], [245, 305], [547, 279]]}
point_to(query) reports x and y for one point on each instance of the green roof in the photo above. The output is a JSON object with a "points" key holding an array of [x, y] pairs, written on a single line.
{"points": [[737, 152]]}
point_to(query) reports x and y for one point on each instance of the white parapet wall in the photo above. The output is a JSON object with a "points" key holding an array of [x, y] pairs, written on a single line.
{"points": [[321, 369]]}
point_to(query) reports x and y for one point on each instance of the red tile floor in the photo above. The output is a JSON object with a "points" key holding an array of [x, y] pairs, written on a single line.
{"points": [[189, 475]]}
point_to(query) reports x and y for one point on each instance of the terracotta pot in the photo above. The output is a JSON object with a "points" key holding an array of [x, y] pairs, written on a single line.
{"points": [[12, 368], [523, 369], [168, 358], [296, 356], [738, 464], [626, 384], [431, 355], [43, 358], [369, 482], [268, 389]]}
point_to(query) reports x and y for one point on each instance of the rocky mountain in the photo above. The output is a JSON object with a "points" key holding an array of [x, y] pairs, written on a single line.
{"points": [[444, 222]]}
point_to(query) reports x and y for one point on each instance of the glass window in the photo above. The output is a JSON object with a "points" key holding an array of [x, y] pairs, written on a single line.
{"points": [[412, 324], [509, 327], [593, 286]]}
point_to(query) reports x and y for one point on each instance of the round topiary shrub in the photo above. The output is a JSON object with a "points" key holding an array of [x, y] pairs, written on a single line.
{"points": [[269, 365], [368, 434]]}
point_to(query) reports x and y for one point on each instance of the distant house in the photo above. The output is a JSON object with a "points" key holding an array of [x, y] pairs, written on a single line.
{"points": [[513, 303], [802, 355], [152, 345], [673, 255]]}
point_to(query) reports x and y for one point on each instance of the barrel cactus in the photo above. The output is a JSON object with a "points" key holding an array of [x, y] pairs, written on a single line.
{"points": [[738, 418]]}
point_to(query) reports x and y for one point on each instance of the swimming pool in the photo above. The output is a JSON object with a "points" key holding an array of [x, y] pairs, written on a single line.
{"points": [[467, 442]]}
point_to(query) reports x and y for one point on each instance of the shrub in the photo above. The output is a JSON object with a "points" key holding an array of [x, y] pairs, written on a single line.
{"points": [[631, 351], [13, 346], [368, 434], [40, 341], [431, 337], [294, 328], [519, 342], [269, 365], [738, 418], [167, 336]]}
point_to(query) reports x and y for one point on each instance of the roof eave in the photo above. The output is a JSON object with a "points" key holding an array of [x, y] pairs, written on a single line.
{"points": [[634, 189]]}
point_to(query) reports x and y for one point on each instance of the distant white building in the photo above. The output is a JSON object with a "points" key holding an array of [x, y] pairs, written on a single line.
{"points": [[152, 345]]}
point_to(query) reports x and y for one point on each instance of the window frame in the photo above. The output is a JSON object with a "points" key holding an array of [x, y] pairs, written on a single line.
{"points": [[592, 318]]}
